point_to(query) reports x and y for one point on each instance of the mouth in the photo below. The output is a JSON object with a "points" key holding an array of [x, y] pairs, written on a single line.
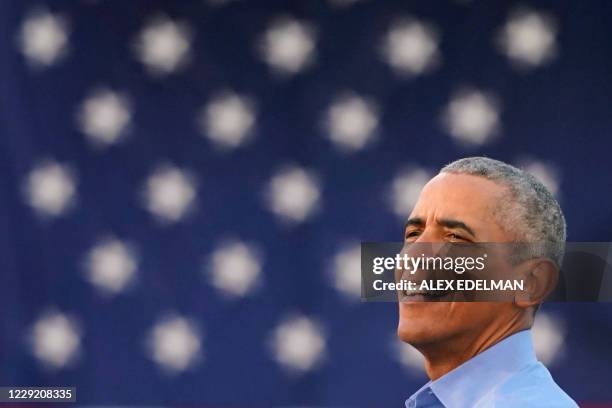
{"points": [[418, 296]]}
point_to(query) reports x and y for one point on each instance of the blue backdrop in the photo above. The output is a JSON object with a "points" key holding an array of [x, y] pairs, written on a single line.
{"points": [[180, 180]]}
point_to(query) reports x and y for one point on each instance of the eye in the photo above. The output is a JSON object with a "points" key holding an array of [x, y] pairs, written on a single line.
{"points": [[456, 237], [412, 234]]}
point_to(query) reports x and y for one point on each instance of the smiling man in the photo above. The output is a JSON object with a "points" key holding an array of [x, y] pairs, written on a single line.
{"points": [[480, 354]]}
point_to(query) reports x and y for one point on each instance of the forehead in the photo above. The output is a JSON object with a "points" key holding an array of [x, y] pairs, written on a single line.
{"points": [[460, 196]]}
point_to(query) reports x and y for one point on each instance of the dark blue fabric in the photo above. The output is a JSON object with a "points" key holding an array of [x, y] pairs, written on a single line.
{"points": [[558, 113]]}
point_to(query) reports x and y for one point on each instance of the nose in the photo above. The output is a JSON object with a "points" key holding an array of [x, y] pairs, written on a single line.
{"points": [[429, 234], [430, 242]]}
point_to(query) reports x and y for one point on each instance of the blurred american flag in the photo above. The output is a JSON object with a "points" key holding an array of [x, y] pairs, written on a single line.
{"points": [[185, 185]]}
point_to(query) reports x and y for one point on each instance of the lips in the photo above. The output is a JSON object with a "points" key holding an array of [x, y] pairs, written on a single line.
{"points": [[416, 296]]}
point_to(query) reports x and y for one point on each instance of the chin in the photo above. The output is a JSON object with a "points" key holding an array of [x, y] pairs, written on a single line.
{"points": [[413, 337], [417, 327], [414, 334]]}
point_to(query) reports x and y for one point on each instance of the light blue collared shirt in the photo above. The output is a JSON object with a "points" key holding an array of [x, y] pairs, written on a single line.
{"points": [[507, 374]]}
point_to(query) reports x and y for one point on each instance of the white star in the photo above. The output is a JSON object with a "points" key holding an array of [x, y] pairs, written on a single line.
{"points": [[169, 193], [111, 266], [351, 122], [50, 188], [472, 117], [298, 344], [104, 116], [228, 119], [163, 45], [55, 340], [43, 38], [346, 270], [235, 268], [548, 174], [407, 356], [288, 45], [405, 190], [293, 194], [174, 344], [548, 333], [411, 47], [528, 38]]}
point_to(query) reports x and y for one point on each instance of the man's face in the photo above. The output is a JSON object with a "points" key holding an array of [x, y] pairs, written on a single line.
{"points": [[454, 208]]}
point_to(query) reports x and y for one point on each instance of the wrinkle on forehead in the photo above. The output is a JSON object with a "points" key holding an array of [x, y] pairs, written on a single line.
{"points": [[472, 199]]}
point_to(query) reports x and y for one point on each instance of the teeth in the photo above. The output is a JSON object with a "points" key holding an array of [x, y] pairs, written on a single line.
{"points": [[424, 293]]}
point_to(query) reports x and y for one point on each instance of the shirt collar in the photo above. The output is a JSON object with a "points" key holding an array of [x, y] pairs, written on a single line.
{"points": [[468, 383], [414, 396]]}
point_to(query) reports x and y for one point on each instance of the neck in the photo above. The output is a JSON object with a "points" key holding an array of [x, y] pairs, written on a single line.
{"points": [[442, 357]]}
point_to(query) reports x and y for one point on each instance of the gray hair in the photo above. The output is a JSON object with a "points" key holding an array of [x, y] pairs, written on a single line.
{"points": [[532, 213]]}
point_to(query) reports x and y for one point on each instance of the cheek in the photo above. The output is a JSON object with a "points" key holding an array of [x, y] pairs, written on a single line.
{"points": [[478, 315]]}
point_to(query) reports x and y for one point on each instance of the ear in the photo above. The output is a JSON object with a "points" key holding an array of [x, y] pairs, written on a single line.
{"points": [[540, 278]]}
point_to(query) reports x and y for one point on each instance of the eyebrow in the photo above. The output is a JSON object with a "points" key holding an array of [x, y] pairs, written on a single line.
{"points": [[449, 223], [417, 222], [445, 222]]}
